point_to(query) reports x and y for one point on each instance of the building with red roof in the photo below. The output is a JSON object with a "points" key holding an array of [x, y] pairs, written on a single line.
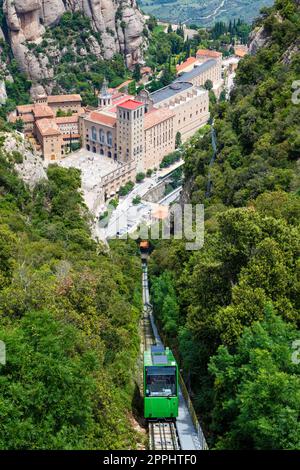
{"points": [[131, 104]]}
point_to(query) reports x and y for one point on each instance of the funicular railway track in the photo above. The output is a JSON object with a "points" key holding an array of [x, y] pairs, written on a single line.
{"points": [[162, 433], [184, 433], [163, 436]]}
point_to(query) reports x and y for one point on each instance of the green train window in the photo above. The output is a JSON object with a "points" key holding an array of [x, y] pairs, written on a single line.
{"points": [[161, 381]]}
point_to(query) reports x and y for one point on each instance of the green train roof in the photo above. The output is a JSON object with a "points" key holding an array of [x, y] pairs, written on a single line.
{"points": [[159, 357]]}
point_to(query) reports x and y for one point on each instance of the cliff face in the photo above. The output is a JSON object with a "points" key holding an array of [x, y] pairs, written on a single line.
{"points": [[119, 23]]}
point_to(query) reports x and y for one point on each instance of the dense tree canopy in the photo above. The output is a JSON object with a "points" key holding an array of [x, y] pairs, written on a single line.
{"points": [[69, 314], [235, 303]]}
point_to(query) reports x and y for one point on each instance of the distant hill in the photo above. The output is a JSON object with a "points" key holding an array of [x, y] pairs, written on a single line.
{"points": [[203, 12]]}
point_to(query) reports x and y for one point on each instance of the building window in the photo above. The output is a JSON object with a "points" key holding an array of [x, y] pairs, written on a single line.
{"points": [[102, 136], [94, 149], [88, 147], [101, 152], [94, 134], [109, 154], [109, 138]]}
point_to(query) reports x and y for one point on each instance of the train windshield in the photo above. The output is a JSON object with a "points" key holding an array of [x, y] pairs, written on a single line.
{"points": [[160, 381]]}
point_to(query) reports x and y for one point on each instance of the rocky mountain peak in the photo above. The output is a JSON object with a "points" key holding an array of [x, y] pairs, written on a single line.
{"points": [[118, 25]]}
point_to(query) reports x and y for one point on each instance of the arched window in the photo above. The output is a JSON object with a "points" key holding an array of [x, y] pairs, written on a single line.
{"points": [[88, 147], [94, 149], [109, 154], [102, 136], [101, 152], [109, 138], [94, 134]]}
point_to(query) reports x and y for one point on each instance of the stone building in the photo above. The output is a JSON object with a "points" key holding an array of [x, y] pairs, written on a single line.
{"points": [[125, 134], [50, 139], [188, 103], [54, 135], [211, 69], [136, 133], [66, 103], [202, 55], [159, 136]]}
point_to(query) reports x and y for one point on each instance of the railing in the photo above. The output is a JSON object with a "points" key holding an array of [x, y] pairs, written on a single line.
{"points": [[189, 403], [184, 390], [192, 411]]}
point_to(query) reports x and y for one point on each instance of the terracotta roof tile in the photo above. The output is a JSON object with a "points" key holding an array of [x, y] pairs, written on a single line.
{"points": [[146, 70], [185, 64], [131, 104], [42, 111], [156, 116], [67, 119], [241, 51], [208, 53], [63, 98], [25, 108], [102, 118], [47, 127]]}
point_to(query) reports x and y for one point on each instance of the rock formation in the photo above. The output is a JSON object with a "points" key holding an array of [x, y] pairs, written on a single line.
{"points": [[119, 22], [31, 168], [258, 38]]}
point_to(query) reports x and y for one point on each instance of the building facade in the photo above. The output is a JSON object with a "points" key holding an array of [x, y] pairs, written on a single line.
{"points": [[189, 104], [55, 136], [143, 129], [125, 134]]}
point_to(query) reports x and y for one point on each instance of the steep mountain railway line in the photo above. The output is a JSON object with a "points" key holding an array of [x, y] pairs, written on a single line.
{"points": [[162, 433], [184, 432], [163, 436]]}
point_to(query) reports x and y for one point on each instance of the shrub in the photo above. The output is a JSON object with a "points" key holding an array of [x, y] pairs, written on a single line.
{"points": [[140, 177], [136, 200], [124, 190]]}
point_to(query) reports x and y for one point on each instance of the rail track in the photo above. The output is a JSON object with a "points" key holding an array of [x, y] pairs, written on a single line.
{"points": [[163, 436]]}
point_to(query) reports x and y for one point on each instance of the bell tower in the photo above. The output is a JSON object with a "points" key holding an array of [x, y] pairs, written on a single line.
{"points": [[104, 97]]}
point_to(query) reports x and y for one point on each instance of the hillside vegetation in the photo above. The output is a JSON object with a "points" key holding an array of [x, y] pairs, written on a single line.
{"points": [[231, 309], [69, 319]]}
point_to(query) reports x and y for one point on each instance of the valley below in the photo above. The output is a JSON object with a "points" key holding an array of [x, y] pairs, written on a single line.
{"points": [[203, 12]]}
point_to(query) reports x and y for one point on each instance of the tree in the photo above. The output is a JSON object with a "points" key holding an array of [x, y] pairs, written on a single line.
{"points": [[257, 389], [51, 381], [19, 125], [151, 22], [167, 76], [7, 242], [140, 177], [149, 172], [208, 85], [165, 303], [136, 200], [177, 139], [132, 87], [137, 72]]}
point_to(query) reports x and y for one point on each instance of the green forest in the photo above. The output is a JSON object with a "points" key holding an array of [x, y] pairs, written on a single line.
{"points": [[69, 319], [70, 307], [230, 311]]}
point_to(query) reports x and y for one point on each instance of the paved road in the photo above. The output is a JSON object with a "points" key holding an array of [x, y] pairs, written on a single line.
{"points": [[126, 217]]}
